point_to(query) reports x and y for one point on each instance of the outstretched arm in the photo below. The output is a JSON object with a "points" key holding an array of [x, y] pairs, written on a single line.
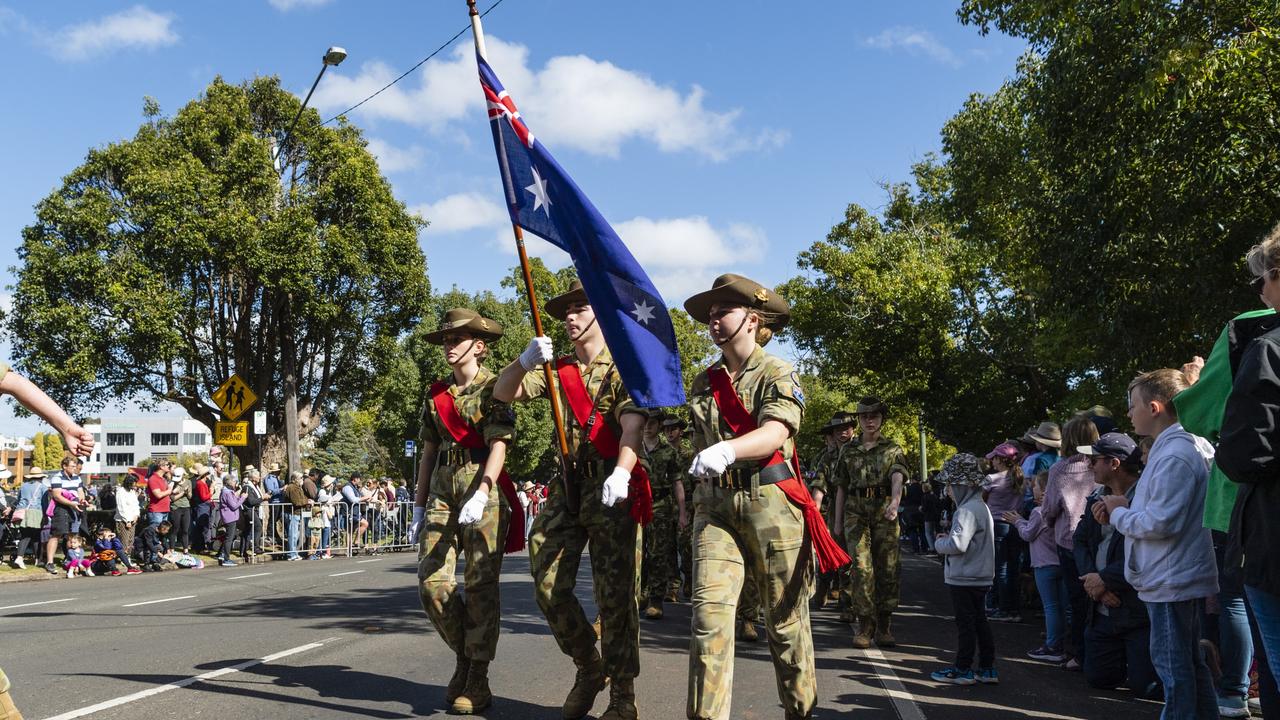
{"points": [[78, 441]]}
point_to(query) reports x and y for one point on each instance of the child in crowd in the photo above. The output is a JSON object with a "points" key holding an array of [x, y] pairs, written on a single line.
{"points": [[151, 545], [77, 563], [107, 551], [969, 567], [1044, 562]]}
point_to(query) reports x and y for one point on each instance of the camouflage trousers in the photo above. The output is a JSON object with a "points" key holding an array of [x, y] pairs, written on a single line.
{"points": [[684, 543], [872, 542], [469, 625], [736, 538], [660, 567], [555, 549]]}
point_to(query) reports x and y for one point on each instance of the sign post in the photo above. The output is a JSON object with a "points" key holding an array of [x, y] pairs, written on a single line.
{"points": [[234, 397]]}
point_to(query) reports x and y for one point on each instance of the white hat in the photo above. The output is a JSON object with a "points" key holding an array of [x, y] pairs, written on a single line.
{"points": [[179, 471]]}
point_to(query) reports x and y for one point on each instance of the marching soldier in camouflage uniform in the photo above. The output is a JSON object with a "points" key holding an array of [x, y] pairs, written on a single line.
{"points": [[871, 475], [602, 521], [459, 510], [835, 434], [666, 478], [673, 427], [742, 517]]}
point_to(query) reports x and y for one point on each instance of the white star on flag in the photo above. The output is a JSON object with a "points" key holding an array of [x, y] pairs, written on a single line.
{"points": [[643, 312], [539, 190]]}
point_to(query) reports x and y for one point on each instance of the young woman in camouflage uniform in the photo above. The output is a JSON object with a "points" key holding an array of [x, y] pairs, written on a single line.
{"points": [[459, 509], [745, 523], [603, 519]]}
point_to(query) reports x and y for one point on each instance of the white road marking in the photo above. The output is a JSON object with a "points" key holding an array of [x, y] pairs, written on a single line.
{"points": [[246, 577], [32, 604], [904, 703], [361, 562], [153, 602], [349, 572], [107, 704]]}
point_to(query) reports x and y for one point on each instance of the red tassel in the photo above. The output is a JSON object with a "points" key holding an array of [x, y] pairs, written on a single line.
{"points": [[641, 494], [515, 529]]}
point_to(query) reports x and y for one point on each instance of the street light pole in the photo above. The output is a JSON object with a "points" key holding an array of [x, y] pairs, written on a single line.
{"points": [[288, 348]]}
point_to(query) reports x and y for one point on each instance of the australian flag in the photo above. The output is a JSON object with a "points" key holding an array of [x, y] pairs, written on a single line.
{"points": [[545, 201]]}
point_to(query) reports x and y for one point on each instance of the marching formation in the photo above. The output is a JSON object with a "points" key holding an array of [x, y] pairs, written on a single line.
{"points": [[750, 545]]}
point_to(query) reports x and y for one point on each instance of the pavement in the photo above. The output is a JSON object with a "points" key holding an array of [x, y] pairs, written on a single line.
{"points": [[346, 638]]}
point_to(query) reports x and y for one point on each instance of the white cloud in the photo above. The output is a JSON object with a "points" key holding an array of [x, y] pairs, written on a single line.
{"points": [[392, 159], [287, 5], [573, 101], [463, 211], [136, 27], [915, 42]]}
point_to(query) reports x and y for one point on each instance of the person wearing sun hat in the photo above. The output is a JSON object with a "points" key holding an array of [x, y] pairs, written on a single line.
{"points": [[968, 553], [836, 434], [594, 507], [754, 517], [463, 504]]}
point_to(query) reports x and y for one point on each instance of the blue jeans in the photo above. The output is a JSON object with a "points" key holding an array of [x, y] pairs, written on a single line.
{"points": [[324, 540], [1054, 598], [293, 530], [1236, 648], [1175, 653], [1266, 611], [154, 518]]}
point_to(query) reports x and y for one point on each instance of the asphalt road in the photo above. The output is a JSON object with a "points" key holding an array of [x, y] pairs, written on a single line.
{"points": [[346, 638]]}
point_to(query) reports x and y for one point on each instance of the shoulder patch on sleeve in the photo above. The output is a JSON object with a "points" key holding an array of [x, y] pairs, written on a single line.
{"points": [[796, 390]]}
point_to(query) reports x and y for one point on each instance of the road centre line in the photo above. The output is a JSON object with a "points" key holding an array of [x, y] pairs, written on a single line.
{"points": [[349, 572], [107, 704], [32, 604], [246, 577], [904, 703], [153, 602], [361, 562]]}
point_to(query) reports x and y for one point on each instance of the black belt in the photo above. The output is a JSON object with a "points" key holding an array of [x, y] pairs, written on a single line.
{"points": [[457, 455], [743, 478], [868, 492]]}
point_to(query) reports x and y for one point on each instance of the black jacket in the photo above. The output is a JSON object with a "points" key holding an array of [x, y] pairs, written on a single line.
{"points": [[1132, 613], [1249, 448]]}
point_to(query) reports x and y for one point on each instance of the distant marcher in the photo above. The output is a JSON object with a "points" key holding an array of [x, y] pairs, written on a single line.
{"points": [[969, 554]]}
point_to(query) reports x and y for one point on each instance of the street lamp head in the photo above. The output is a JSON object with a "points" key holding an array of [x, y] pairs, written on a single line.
{"points": [[334, 56]]}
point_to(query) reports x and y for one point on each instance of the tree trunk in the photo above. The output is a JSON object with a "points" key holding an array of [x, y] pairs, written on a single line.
{"points": [[289, 361]]}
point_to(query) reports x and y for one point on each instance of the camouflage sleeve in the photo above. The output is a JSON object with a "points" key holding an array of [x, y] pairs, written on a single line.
{"points": [[897, 462], [783, 400], [430, 433], [534, 384], [499, 421], [819, 479]]}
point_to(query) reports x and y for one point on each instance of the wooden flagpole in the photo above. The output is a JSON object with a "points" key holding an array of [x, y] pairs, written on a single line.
{"points": [[557, 416]]}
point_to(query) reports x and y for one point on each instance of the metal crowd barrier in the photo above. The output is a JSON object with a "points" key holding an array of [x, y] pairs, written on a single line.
{"points": [[351, 530]]}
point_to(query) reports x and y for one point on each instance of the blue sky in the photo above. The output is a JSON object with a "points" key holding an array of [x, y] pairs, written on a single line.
{"points": [[715, 136]]}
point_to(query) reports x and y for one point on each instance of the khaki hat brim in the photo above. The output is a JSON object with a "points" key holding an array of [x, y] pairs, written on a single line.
{"points": [[489, 332], [739, 293], [558, 306], [1047, 441]]}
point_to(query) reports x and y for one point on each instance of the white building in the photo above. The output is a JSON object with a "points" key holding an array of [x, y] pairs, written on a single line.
{"points": [[120, 442]]}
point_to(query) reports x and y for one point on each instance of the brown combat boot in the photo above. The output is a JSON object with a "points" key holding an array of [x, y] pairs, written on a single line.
{"points": [[8, 711], [653, 611], [673, 594], [862, 637], [458, 682], [884, 638], [476, 697], [596, 626], [622, 701], [588, 683], [747, 631]]}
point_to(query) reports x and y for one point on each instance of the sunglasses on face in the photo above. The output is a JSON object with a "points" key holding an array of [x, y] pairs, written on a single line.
{"points": [[1257, 283]]}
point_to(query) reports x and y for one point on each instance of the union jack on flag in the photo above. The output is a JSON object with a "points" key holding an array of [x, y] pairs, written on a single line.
{"points": [[544, 200]]}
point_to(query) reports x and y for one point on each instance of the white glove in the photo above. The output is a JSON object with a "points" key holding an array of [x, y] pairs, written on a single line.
{"points": [[473, 508], [713, 461], [538, 353], [616, 487], [415, 527]]}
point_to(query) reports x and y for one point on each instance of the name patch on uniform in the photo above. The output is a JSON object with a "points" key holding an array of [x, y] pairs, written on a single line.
{"points": [[796, 391]]}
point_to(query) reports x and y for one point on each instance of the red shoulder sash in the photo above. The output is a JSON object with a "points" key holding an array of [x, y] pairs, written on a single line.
{"points": [[467, 436], [830, 555], [602, 437]]}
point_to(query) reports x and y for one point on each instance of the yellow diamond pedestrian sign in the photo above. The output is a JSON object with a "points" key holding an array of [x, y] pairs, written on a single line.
{"points": [[234, 397]]}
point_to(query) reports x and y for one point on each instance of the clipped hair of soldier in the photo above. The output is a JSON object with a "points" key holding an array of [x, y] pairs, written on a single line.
{"points": [[1159, 386], [1266, 254], [764, 333]]}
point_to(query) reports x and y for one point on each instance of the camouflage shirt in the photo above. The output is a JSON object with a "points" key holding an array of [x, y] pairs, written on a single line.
{"points": [[822, 469], [769, 389], [604, 387], [862, 467], [664, 464], [494, 420]]}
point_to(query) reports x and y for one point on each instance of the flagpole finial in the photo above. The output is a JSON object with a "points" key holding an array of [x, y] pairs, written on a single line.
{"points": [[471, 8]]}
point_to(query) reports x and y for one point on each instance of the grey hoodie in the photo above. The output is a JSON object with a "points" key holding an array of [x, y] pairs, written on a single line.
{"points": [[969, 551], [1168, 551]]}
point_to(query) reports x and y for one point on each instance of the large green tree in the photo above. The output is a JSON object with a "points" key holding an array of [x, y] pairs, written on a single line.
{"points": [[170, 260]]}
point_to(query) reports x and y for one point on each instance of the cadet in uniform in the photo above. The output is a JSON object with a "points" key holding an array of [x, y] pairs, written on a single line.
{"points": [[602, 520], [870, 478], [458, 506], [750, 510], [835, 434], [666, 478], [673, 427]]}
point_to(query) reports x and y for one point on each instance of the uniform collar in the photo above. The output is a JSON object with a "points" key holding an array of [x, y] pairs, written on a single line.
{"points": [[753, 360], [477, 382], [601, 358]]}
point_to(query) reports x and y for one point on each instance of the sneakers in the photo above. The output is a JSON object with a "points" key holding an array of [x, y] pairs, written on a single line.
{"points": [[88, 571], [227, 563], [49, 568], [19, 563], [989, 676], [1073, 665], [1233, 707], [116, 573], [133, 571], [71, 572], [1044, 653], [953, 676]]}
